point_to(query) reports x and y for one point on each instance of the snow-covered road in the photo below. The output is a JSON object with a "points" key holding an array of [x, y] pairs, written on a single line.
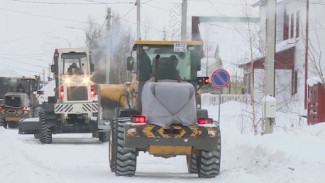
{"points": [[296, 155]]}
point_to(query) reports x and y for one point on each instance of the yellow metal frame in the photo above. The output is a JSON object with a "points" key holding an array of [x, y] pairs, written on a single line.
{"points": [[145, 42], [169, 151], [12, 118]]}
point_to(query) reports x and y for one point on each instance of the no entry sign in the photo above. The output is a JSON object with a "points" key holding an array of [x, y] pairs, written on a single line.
{"points": [[220, 78]]}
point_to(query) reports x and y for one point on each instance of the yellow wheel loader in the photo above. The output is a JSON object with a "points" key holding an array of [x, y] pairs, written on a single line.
{"points": [[159, 111]]}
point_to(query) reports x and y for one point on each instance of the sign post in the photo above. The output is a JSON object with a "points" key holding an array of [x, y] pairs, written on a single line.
{"points": [[220, 78]]}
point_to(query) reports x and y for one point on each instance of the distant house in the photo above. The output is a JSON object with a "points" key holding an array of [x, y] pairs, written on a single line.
{"points": [[297, 23], [225, 44]]}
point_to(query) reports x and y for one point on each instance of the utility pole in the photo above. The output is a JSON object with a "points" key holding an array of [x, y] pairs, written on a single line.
{"points": [[43, 74], [49, 71], [138, 20], [108, 56], [269, 110], [184, 16]]}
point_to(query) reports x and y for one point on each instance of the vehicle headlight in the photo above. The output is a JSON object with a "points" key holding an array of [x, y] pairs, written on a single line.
{"points": [[85, 80], [67, 80]]}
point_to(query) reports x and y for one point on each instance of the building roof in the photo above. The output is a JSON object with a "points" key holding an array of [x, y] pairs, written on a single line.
{"points": [[263, 2], [259, 3], [145, 42], [284, 59]]}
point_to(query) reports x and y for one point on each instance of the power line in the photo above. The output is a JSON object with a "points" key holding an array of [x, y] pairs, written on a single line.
{"points": [[34, 65], [23, 38], [65, 3], [123, 19], [44, 16], [146, 2], [157, 8], [10, 66], [128, 12], [215, 8], [22, 54]]}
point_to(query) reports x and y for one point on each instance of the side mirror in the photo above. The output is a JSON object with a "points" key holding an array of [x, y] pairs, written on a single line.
{"points": [[53, 68], [130, 63], [203, 80], [92, 67]]}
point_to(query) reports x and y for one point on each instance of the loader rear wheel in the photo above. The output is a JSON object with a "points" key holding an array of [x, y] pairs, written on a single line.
{"points": [[3, 123], [208, 162], [45, 135], [103, 136], [112, 148], [36, 112], [126, 158], [12, 124], [36, 135], [191, 163]]}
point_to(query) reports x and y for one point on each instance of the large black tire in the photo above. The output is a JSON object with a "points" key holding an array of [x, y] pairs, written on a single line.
{"points": [[126, 158], [112, 148], [191, 163], [208, 162], [36, 135], [36, 112], [103, 136], [3, 123], [94, 134], [11, 124], [45, 135]]}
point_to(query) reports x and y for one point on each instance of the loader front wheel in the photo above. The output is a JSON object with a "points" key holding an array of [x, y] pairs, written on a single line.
{"points": [[191, 163], [103, 136], [45, 135], [112, 148], [126, 158], [208, 162]]}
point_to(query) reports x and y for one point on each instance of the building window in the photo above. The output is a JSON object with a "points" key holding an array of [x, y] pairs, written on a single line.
{"points": [[294, 82], [285, 25], [247, 80], [297, 24], [292, 25]]}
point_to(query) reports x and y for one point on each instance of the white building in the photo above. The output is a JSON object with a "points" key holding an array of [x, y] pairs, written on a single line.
{"points": [[297, 22]]}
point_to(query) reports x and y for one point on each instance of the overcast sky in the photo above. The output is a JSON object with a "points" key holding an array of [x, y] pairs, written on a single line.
{"points": [[32, 29]]}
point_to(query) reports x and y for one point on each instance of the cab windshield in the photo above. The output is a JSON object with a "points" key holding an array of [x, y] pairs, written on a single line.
{"points": [[171, 64], [74, 64]]}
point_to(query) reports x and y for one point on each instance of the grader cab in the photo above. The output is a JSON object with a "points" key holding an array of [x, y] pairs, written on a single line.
{"points": [[162, 114], [74, 107]]}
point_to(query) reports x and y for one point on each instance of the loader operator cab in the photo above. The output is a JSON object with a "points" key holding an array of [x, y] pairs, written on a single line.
{"points": [[156, 57], [166, 60]]}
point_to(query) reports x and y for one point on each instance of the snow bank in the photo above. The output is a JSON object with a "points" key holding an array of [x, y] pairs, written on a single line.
{"points": [[292, 154], [314, 80]]}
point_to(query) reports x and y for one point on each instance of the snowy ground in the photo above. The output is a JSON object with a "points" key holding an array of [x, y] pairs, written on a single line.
{"points": [[293, 153]]}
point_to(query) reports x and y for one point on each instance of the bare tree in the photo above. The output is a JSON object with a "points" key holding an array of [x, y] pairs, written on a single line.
{"points": [[250, 41], [316, 59], [146, 27], [121, 43], [119, 39], [93, 32]]}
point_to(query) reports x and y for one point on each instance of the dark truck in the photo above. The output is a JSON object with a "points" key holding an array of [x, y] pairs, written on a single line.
{"points": [[18, 99]]}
